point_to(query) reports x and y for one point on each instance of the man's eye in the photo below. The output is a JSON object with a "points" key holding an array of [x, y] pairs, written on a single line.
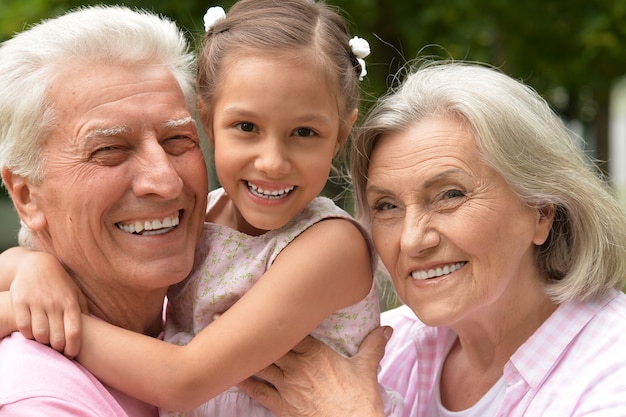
{"points": [[177, 145], [109, 155]]}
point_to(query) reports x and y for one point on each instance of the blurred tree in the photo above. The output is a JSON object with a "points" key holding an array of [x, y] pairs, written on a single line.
{"points": [[570, 52]]}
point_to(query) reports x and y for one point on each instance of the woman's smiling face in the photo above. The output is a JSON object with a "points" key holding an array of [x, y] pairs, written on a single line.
{"points": [[456, 240]]}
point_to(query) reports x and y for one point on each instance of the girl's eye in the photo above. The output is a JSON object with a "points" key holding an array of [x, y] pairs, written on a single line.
{"points": [[304, 131], [246, 127]]}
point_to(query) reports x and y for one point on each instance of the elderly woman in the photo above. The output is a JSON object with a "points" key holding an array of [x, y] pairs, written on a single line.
{"points": [[506, 248]]}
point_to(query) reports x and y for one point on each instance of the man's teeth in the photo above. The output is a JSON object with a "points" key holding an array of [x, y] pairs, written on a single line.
{"points": [[437, 272], [151, 227], [271, 194]]}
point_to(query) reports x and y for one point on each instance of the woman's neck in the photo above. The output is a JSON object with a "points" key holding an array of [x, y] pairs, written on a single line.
{"points": [[486, 342]]}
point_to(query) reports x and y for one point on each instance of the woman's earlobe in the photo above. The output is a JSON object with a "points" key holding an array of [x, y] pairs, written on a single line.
{"points": [[545, 219]]}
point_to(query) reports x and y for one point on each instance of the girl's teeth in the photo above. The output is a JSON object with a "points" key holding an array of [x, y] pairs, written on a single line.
{"points": [[269, 194]]}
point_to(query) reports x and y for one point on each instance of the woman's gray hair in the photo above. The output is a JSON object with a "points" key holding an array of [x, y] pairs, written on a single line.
{"points": [[522, 139], [31, 61]]}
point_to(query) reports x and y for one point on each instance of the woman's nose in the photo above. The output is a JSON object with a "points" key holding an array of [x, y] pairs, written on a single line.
{"points": [[418, 235]]}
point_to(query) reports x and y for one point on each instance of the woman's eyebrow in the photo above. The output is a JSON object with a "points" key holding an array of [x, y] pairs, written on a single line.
{"points": [[438, 177]]}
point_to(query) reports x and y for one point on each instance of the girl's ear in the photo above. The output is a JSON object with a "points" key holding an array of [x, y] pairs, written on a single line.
{"points": [[203, 113], [26, 205], [345, 128]]}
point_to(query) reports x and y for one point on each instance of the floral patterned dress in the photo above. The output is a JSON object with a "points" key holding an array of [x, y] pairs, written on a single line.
{"points": [[228, 263]]}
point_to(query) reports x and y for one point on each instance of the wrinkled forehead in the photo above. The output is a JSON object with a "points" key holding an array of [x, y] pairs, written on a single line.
{"points": [[113, 97]]}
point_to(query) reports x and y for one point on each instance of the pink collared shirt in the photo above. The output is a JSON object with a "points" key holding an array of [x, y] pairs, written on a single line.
{"points": [[35, 380], [573, 365]]}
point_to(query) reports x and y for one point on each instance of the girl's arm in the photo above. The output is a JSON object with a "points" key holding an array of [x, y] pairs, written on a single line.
{"points": [[8, 266], [45, 303], [324, 269], [9, 261]]}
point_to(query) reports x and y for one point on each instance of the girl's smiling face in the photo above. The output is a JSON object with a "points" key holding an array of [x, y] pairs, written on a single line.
{"points": [[456, 240], [275, 129]]}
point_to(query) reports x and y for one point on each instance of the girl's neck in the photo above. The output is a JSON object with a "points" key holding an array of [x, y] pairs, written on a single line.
{"points": [[224, 213]]}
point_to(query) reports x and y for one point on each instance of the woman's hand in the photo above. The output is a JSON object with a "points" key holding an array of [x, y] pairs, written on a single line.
{"points": [[312, 380]]}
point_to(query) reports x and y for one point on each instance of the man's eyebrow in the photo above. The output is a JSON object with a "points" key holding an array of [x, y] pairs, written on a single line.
{"points": [[122, 130], [173, 123], [108, 131]]}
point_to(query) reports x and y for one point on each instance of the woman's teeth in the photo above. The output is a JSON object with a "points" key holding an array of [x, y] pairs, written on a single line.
{"points": [[151, 227], [271, 194], [437, 272]]}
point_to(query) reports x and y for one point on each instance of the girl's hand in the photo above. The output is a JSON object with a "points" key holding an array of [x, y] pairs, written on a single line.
{"points": [[7, 317], [47, 302]]}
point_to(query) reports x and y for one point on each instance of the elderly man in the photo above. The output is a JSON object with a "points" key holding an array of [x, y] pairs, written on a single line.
{"points": [[101, 157]]}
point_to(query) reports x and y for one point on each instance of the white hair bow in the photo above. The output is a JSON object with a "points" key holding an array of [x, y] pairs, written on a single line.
{"points": [[212, 17]]}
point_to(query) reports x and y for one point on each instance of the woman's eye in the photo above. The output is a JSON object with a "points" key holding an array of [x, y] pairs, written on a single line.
{"points": [[304, 131], [383, 206], [246, 127], [453, 194]]}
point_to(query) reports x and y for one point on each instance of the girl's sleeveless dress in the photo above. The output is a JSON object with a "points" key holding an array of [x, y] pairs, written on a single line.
{"points": [[227, 264]]}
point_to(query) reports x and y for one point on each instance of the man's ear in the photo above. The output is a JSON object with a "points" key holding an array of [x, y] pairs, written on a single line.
{"points": [[27, 207]]}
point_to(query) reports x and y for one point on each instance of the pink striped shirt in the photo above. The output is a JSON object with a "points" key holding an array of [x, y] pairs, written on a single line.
{"points": [[573, 365]]}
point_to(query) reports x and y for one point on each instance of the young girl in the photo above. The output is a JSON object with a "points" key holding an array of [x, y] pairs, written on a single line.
{"points": [[278, 94]]}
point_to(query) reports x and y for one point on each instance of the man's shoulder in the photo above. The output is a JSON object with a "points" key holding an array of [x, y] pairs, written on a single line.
{"points": [[25, 359], [30, 371]]}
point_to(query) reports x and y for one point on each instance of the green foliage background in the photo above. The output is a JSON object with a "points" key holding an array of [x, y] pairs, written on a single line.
{"points": [[572, 52]]}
